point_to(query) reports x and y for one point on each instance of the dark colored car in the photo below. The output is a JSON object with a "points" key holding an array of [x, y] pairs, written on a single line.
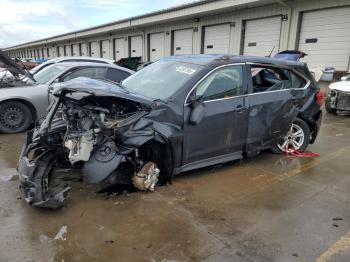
{"points": [[178, 114]]}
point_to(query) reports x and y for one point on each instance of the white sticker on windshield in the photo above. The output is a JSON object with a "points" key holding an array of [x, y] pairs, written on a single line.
{"points": [[185, 70]]}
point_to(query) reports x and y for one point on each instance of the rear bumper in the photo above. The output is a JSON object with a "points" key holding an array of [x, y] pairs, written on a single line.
{"points": [[317, 126]]}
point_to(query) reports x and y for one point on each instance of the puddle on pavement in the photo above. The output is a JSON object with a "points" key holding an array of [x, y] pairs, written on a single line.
{"points": [[9, 178]]}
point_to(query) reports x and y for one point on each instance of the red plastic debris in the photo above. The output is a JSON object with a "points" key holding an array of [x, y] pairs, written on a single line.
{"points": [[291, 152]]}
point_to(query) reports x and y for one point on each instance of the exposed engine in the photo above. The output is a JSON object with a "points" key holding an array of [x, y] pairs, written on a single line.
{"points": [[92, 137]]}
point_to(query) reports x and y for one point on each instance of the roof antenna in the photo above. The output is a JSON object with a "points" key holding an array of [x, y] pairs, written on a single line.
{"points": [[273, 48]]}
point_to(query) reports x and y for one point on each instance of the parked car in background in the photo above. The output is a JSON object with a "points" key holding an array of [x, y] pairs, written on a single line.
{"points": [[338, 97], [177, 114], [21, 106], [71, 59]]}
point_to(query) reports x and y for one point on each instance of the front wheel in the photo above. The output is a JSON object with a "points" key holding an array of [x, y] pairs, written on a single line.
{"points": [[297, 138]]}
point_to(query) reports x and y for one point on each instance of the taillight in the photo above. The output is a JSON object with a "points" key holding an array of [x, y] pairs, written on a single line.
{"points": [[319, 98]]}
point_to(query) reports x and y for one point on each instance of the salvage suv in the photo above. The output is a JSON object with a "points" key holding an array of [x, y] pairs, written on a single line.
{"points": [[178, 114]]}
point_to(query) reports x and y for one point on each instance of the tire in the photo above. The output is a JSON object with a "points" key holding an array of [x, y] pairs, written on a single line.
{"points": [[328, 108], [298, 138], [15, 117]]}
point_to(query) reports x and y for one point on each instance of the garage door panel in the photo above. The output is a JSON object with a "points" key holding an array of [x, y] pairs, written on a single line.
{"points": [[68, 50], [183, 42], [217, 39], [331, 28], [105, 48], [94, 48], [157, 46], [84, 49], [75, 50], [120, 48], [136, 44], [262, 36]]}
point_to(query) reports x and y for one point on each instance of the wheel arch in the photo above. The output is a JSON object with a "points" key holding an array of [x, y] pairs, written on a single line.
{"points": [[166, 156]]}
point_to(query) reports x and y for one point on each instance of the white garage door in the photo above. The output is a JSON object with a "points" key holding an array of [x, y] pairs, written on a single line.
{"points": [[75, 48], [136, 44], [60, 51], [325, 37], [262, 36], [49, 52], [217, 39], [156, 46], [94, 49], [39, 54], [120, 48], [105, 49], [183, 42], [68, 50], [84, 49]]}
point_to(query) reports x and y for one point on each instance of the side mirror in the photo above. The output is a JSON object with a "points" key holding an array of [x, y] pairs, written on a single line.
{"points": [[197, 112], [344, 78]]}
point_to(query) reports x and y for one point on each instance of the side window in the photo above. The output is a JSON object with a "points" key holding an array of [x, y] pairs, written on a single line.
{"points": [[116, 75], [223, 83], [91, 72], [273, 79]]}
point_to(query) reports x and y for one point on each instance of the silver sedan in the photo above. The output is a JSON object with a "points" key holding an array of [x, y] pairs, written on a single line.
{"points": [[21, 106]]}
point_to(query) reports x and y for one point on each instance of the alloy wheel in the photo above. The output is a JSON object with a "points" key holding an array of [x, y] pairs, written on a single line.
{"points": [[294, 138]]}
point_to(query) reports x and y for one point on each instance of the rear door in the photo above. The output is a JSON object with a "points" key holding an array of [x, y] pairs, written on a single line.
{"points": [[222, 131], [275, 96]]}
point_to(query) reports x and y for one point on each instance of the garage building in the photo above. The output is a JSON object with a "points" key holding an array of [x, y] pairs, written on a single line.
{"points": [[320, 28]]}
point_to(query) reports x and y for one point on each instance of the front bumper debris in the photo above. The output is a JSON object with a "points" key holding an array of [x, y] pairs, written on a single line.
{"points": [[339, 100]]}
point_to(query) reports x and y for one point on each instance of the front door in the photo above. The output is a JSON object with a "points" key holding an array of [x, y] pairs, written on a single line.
{"points": [[222, 130]]}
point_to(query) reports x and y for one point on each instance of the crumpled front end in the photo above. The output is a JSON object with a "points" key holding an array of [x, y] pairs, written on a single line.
{"points": [[98, 134], [34, 172], [338, 100]]}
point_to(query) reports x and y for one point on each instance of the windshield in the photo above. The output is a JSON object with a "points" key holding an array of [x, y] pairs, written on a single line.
{"points": [[48, 73], [161, 79]]}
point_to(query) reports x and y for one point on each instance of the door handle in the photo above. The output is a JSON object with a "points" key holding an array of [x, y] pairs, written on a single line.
{"points": [[240, 108]]}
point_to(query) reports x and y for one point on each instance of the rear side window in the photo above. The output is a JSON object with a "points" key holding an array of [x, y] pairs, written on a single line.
{"points": [[91, 72], [225, 82], [116, 75], [267, 79]]}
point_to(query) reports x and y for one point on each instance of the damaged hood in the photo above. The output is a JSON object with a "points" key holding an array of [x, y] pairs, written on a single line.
{"points": [[13, 67], [343, 86], [98, 88]]}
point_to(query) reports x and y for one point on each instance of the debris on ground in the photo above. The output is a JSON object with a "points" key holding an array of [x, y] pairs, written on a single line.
{"points": [[61, 234]]}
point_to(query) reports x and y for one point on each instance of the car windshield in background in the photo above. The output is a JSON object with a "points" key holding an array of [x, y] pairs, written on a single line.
{"points": [[48, 73], [161, 79]]}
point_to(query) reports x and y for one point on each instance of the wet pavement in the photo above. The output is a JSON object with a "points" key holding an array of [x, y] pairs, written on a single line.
{"points": [[267, 208]]}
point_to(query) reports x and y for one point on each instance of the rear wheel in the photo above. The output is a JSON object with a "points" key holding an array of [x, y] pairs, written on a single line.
{"points": [[297, 138], [15, 117]]}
